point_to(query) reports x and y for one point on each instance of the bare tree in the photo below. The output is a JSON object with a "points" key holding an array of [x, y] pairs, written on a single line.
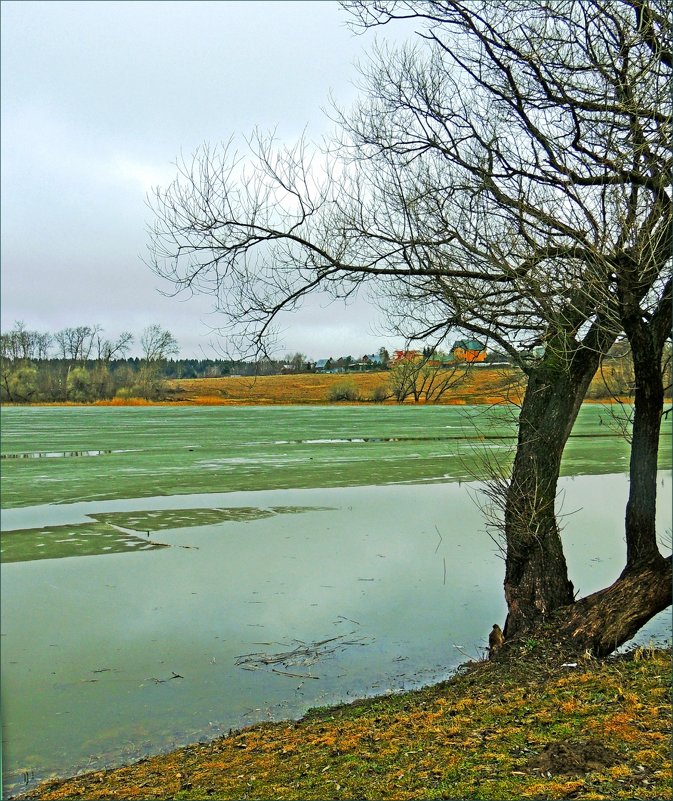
{"points": [[20, 344], [113, 349], [647, 332], [101, 383], [157, 344], [19, 348], [509, 178], [426, 377], [297, 361], [76, 344]]}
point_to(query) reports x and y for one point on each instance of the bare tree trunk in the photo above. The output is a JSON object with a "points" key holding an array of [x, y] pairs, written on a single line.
{"points": [[536, 574], [603, 621], [647, 341], [641, 539]]}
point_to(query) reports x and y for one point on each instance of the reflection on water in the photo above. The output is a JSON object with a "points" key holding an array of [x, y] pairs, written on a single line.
{"points": [[59, 454], [158, 519], [57, 542], [115, 532]]}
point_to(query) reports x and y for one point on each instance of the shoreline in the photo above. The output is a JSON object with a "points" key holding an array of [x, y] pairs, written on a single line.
{"points": [[526, 725], [183, 791], [486, 385], [135, 402]]}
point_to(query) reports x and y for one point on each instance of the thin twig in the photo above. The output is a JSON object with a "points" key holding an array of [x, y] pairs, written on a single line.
{"points": [[294, 675], [440, 539]]}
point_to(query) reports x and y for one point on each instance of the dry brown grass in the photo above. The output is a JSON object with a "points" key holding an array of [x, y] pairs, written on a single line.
{"points": [[481, 385]]}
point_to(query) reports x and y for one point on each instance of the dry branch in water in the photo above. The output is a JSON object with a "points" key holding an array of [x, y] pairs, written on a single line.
{"points": [[304, 654]]}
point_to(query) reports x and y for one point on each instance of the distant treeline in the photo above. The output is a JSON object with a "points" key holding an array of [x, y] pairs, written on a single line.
{"points": [[62, 380], [59, 380], [31, 380], [80, 364]]}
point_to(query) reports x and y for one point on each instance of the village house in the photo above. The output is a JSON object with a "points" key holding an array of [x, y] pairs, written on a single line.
{"points": [[468, 350], [370, 361], [405, 356]]}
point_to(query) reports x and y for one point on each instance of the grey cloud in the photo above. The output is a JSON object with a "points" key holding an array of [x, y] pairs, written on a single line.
{"points": [[100, 98]]}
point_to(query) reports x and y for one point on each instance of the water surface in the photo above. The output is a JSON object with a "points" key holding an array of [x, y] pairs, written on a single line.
{"points": [[146, 451], [230, 532]]}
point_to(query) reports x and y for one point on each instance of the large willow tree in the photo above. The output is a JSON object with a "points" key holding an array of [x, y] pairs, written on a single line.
{"points": [[507, 175]]}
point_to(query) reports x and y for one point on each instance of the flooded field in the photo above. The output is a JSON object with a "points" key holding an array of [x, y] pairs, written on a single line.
{"points": [[244, 564]]}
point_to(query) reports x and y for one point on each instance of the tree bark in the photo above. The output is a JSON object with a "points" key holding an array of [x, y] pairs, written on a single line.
{"points": [[536, 574], [641, 536], [646, 339], [603, 621]]}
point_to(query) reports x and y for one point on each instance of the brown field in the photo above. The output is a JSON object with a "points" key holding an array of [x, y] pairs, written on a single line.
{"points": [[481, 385]]}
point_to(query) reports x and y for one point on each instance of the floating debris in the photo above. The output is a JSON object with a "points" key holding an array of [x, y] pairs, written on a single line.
{"points": [[302, 655], [163, 681]]}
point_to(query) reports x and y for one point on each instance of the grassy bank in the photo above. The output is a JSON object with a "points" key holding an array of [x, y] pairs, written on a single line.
{"points": [[525, 727]]}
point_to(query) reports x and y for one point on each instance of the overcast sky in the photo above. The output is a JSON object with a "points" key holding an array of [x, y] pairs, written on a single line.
{"points": [[100, 98]]}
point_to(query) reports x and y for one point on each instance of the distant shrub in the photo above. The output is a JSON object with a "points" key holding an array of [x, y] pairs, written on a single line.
{"points": [[79, 384], [118, 401], [20, 385], [380, 393], [343, 391]]}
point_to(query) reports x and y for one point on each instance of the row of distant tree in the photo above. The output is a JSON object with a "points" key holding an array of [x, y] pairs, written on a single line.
{"points": [[81, 364]]}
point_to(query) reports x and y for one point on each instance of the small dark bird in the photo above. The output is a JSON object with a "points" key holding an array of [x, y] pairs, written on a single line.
{"points": [[496, 640], [148, 533]]}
